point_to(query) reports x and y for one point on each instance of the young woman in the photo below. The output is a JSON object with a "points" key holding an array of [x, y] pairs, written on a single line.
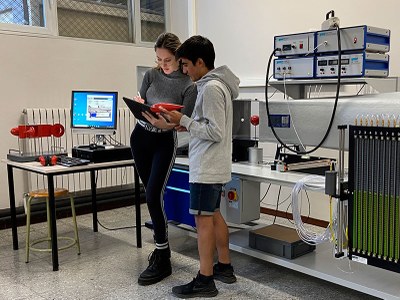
{"points": [[154, 146]]}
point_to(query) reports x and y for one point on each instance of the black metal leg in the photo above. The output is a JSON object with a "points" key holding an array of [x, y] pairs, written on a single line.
{"points": [[53, 226], [137, 207], [94, 200], [11, 194]]}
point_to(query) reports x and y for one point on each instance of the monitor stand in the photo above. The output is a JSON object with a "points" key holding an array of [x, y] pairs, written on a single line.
{"points": [[100, 139], [101, 142]]}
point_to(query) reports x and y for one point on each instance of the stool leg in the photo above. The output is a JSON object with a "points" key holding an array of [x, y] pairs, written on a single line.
{"points": [[48, 222], [28, 228], [75, 224]]}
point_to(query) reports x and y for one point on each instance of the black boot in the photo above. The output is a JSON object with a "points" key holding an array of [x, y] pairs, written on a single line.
{"points": [[159, 267]]}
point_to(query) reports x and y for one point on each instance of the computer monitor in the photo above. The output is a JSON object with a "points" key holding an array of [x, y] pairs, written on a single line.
{"points": [[94, 112]]}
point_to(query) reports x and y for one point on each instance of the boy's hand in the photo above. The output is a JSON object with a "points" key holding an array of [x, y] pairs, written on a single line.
{"points": [[180, 128], [172, 116], [159, 122]]}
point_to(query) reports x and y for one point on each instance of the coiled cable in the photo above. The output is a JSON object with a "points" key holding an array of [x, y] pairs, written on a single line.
{"points": [[315, 183]]}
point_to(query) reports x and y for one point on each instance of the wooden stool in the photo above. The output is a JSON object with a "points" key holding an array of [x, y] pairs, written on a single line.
{"points": [[58, 192]]}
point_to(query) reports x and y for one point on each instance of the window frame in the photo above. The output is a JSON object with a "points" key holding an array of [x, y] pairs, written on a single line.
{"points": [[137, 38], [51, 24], [50, 28]]}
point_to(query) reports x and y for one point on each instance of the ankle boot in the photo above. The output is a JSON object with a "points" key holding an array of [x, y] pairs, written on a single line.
{"points": [[159, 267]]}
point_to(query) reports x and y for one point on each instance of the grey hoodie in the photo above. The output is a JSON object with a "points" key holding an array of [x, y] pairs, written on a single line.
{"points": [[210, 127]]}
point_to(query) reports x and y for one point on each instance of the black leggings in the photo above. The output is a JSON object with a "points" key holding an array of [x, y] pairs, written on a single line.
{"points": [[154, 155]]}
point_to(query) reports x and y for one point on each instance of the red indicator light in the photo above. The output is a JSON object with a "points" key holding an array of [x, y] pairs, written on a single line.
{"points": [[232, 195]]}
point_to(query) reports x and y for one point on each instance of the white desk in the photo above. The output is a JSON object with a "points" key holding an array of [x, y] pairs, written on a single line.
{"points": [[259, 173], [320, 263], [50, 172]]}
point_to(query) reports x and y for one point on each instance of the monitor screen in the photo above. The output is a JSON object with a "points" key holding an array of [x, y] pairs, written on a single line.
{"points": [[94, 112]]}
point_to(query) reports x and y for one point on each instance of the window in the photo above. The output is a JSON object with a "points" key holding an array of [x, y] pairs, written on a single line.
{"points": [[25, 15], [22, 12], [152, 19], [111, 20], [107, 20], [132, 21]]}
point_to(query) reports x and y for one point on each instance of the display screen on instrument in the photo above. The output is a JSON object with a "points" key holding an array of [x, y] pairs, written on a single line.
{"points": [[335, 62]]}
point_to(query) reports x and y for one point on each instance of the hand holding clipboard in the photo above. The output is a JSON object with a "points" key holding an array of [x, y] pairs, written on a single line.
{"points": [[138, 109]]}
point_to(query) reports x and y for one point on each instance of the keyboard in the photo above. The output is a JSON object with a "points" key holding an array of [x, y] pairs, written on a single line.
{"points": [[68, 161]]}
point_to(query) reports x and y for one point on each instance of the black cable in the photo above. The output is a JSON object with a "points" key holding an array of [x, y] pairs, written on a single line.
{"points": [[265, 193], [277, 204], [287, 213], [331, 12], [360, 89], [286, 199], [117, 228], [112, 141], [334, 107]]}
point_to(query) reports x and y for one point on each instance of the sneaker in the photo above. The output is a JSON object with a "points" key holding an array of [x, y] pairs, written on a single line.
{"points": [[196, 288], [159, 267], [226, 275]]}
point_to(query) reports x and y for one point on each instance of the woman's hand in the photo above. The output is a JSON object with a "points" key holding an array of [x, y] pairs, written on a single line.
{"points": [[138, 99], [159, 122]]}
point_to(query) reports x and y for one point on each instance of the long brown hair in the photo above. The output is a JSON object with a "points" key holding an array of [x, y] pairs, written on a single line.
{"points": [[168, 41]]}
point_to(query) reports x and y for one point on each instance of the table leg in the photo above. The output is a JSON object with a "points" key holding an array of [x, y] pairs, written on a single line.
{"points": [[53, 226], [13, 211], [137, 208], [94, 199]]}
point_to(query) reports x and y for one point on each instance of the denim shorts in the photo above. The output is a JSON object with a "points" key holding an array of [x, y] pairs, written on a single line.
{"points": [[205, 199]]}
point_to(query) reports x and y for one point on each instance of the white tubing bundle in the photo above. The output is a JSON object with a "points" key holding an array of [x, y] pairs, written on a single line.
{"points": [[315, 183]]}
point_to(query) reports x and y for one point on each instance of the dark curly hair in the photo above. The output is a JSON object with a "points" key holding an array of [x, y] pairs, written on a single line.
{"points": [[197, 47]]}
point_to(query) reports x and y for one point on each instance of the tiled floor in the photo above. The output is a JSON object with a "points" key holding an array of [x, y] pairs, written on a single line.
{"points": [[110, 264]]}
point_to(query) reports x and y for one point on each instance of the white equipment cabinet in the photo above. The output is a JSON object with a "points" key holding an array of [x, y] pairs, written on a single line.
{"points": [[240, 201]]}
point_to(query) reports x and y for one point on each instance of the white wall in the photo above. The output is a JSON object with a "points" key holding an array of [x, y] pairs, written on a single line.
{"points": [[180, 15], [41, 72], [242, 31]]}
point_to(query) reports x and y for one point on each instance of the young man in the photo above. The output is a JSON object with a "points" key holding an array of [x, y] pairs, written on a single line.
{"points": [[210, 161]]}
